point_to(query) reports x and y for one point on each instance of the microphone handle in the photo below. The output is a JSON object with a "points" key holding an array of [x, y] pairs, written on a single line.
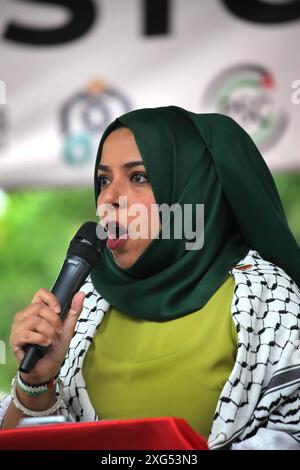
{"points": [[72, 275]]}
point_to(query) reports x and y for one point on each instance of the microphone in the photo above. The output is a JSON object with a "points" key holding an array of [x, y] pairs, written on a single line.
{"points": [[83, 254]]}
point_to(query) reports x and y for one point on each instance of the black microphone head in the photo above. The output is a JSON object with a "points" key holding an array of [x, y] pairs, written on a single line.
{"points": [[88, 243]]}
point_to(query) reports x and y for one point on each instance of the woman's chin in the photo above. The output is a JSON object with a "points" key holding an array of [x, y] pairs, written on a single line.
{"points": [[123, 260], [128, 253]]}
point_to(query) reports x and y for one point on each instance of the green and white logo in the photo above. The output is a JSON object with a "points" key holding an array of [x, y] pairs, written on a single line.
{"points": [[249, 95]]}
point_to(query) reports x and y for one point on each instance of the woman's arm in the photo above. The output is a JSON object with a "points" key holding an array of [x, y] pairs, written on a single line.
{"points": [[12, 415]]}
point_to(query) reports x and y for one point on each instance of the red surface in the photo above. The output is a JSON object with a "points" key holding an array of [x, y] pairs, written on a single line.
{"points": [[132, 434]]}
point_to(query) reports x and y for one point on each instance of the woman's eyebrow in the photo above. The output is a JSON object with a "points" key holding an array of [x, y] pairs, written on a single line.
{"points": [[126, 165]]}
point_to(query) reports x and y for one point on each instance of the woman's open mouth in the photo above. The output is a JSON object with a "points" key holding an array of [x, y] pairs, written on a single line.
{"points": [[116, 235]]}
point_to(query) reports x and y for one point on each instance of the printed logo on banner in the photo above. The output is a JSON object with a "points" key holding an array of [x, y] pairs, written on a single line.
{"points": [[3, 115], [84, 117], [248, 94]]}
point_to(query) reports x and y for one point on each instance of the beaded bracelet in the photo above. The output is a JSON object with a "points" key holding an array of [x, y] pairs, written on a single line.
{"points": [[35, 390], [36, 414]]}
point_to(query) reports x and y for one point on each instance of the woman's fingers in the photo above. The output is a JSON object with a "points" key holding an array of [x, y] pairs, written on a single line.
{"points": [[45, 296], [40, 324], [73, 315], [23, 331], [36, 318], [77, 301], [17, 341], [51, 316], [40, 310]]}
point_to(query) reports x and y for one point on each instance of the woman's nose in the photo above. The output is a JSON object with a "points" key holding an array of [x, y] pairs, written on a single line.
{"points": [[115, 194], [111, 194], [110, 199]]}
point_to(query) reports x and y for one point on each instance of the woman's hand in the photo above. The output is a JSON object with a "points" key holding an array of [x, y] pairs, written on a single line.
{"points": [[40, 323]]}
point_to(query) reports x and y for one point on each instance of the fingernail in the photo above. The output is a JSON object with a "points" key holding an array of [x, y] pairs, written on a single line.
{"points": [[57, 308]]}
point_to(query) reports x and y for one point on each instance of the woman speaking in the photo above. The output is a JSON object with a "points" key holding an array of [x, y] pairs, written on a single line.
{"points": [[193, 310]]}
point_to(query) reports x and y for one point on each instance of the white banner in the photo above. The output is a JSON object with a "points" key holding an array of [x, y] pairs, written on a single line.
{"points": [[69, 68]]}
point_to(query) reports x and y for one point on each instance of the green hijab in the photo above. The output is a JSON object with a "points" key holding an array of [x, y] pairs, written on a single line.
{"points": [[197, 159]]}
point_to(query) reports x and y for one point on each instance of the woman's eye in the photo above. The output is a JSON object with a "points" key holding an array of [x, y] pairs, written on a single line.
{"points": [[135, 177], [101, 180], [138, 177]]}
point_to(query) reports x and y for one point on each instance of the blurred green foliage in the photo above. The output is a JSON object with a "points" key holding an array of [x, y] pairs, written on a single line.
{"points": [[34, 235]]}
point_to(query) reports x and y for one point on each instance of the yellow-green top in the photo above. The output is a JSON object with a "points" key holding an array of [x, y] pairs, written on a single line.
{"points": [[137, 368]]}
